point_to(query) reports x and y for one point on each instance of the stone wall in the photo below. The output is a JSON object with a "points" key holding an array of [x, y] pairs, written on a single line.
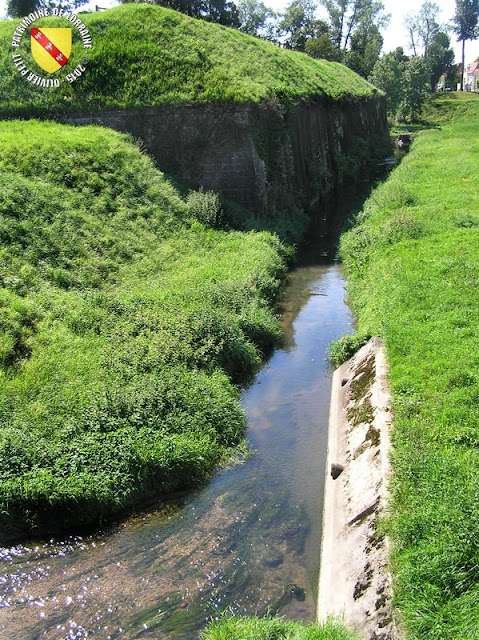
{"points": [[264, 156]]}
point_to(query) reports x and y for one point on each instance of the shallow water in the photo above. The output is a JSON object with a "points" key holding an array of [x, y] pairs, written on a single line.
{"points": [[249, 541]]}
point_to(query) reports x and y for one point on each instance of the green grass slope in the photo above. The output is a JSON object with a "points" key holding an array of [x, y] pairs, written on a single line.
{"points": [[413, 265], [254, 628], [145, 55], [123, 321]]}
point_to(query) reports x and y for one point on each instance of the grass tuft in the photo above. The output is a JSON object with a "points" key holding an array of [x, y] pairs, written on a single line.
{"points": [[345, 347]]}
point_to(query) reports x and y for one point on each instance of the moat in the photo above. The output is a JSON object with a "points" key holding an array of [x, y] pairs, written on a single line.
{"points": [[248, 542]]}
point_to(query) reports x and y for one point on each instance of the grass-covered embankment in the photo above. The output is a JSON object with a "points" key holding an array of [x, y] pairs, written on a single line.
{"points": [[123, 323], [413, 269], [254, 628], [145, 55]]}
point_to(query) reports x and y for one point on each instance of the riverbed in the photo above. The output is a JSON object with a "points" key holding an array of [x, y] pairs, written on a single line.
{"points": [[248, 542]]}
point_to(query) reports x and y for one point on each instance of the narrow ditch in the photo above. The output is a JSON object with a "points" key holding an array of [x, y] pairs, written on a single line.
{"points": [[248, 542]]}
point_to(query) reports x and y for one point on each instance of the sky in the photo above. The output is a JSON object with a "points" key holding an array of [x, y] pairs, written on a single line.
{"points": [[394, 36]]}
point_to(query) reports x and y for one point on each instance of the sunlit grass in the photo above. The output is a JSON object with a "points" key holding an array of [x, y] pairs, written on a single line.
{"points": [[145, 55], [254, 628], [413, 266], [124, 322]]}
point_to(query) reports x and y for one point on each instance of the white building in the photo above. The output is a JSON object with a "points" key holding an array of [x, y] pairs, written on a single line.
{"points": [[471, 77]]}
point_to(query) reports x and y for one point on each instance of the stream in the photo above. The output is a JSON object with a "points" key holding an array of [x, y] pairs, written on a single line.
{"points": [[248, 542]]}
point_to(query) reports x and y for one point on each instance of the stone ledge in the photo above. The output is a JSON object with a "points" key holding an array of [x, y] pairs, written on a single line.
{"points": [[354, 583]]}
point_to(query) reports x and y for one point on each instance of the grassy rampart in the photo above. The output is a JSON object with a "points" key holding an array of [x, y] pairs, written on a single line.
{"points": [[145, 55], [124, 321], [413, 270]]}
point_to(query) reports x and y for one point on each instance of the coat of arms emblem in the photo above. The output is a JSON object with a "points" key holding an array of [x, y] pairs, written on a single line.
{"points": [[51, 48]]}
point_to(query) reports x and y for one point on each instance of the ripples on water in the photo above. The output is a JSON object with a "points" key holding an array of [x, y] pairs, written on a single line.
{"points": [[248, 542]]}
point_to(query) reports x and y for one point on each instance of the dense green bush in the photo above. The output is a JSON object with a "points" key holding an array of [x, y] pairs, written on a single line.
{"points": [[205, 206], [345, 348]]}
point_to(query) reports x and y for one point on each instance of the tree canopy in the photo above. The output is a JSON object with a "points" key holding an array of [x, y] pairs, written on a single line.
{"points": [[350, 33], [345, 16], [299, 24], [221, 11], [255, 17], [21, 8], [405, 82], [465, 23]]}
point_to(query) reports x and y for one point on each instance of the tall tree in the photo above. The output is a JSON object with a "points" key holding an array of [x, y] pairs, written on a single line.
{"points": [[422, 27], [440, 58], [300, 24], [254, 16], [366, 45], [387, 75], [465, 26], [345, 16], [414, 89]]}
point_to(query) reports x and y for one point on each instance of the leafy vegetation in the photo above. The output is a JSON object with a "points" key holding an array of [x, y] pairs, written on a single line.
{"points": [[465, 21], [456, 106], [254, 628], [344, 348], [221, 11], [123, 322], [146, 55], [413, 267]]}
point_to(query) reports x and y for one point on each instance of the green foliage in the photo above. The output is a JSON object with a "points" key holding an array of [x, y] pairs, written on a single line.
{"points": [[255, 17], [219, 11], [345, 348], [123, 323], [387, 75], [415, 87], [300, 24], [406, 81], [174, 59], [348, 16], [366, 45], [254, 628], [466, 18], [20, 8], [322, 47], [440, 58], [418, 290], [205, 206]]}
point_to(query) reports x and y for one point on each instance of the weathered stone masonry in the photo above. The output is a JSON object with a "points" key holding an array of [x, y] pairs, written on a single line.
{"points": [[264, 156]]}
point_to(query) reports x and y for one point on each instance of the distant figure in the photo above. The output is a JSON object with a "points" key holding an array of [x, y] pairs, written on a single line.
{"points": [[403, 141]]}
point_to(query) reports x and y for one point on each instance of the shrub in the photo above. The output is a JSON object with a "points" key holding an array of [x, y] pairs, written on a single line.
{"points": [[205, 206], [345, 348]]}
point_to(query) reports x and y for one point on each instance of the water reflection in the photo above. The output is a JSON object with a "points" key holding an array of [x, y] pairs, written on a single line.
{"points": [[249, 541]]}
